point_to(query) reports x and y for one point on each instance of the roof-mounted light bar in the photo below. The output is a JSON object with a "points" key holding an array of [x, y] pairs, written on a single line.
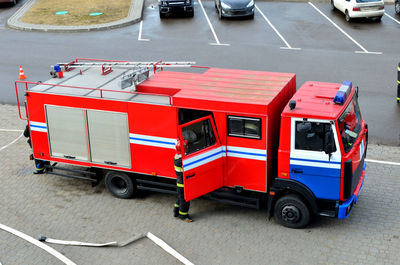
{"points": [[343, 93]]}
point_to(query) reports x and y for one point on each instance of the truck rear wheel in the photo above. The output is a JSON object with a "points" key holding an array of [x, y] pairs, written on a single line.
{"points": [[120, 185], [292, 212]]}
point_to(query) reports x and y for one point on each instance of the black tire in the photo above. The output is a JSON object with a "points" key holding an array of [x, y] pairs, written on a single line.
{"points": [[333, 5], [347, 16], [251, 16], [292, 212], [120, 185], [378, 19], [397, 7], [191, 14], [162, 15]]}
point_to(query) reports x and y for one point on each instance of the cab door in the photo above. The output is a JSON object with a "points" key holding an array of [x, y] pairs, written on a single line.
{"points": [[203, 158], [310, 164]]}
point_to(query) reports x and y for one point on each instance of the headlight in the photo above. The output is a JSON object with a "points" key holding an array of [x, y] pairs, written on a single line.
{"points": [[225, 6], [251, 3], [188, 2]]}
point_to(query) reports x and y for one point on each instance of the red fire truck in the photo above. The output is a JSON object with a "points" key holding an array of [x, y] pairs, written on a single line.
{"points": [[250, 138]]}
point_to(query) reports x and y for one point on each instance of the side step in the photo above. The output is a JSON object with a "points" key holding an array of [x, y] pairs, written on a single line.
{"points": [[234, 199], [93, 177], [156, 186]]}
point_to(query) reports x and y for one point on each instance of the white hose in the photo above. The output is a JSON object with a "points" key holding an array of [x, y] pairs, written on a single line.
{"points": [[39, 244]]}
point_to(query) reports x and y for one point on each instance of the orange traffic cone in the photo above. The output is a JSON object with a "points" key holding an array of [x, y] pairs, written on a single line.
{"points": [[21, 73]]}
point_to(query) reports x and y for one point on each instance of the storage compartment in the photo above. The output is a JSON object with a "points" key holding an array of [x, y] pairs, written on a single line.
{"points": [[67, 132], [109, 137]]}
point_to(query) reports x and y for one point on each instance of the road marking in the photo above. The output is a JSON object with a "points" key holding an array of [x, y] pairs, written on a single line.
{"points": [[14, 141], [10, 130], [167, 248], [140, 32], [276, 31], [39, 244], [392, 18], [383, 162], [217, 42], [341, 30]]}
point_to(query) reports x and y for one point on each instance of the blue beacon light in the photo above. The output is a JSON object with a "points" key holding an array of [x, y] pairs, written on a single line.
{"points": [[343, 93]]}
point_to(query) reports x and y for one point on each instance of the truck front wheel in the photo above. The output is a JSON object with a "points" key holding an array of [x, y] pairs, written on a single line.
{"points": [[120, 185], [292, 212]]}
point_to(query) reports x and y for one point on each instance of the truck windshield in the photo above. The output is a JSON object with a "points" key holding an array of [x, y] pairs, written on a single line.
{"points": [[350, 124]]}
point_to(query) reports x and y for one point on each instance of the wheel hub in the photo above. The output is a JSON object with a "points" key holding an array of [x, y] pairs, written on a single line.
{"points": [[119, 184], [290, 213]]}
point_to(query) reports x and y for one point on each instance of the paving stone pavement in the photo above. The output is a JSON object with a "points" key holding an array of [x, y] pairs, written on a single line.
{"points": [[73, 210]]}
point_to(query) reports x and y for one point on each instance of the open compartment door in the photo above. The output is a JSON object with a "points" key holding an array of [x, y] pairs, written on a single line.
{"points": [[203, 158]]}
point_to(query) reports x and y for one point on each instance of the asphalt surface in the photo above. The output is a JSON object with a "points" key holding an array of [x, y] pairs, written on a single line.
{"points": [[72, 210]]}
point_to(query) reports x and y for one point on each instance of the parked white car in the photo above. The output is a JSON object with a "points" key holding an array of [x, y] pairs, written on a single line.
{"points": [[360, 8]]}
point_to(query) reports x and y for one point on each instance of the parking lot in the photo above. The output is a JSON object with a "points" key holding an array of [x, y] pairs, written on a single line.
{"points": [[310, 40], [284, 25]]}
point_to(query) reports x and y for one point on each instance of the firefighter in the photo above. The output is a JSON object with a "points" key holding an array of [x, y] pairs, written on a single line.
{"points": [[39, 164], [398, 84], [181, 207]]}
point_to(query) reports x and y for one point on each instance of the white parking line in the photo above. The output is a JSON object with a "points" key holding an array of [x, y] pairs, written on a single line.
{"points": [[392, 18], [39, 244], [140, 32], [217, 42], [288, 46], [341, 30], [11, 130], [13, 142], [383, 162]]}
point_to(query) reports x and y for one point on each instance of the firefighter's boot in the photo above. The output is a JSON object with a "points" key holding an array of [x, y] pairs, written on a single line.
{"points": [[176, 210], [185, 217]]}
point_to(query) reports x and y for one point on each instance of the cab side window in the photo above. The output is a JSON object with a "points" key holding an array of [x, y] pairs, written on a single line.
{"points": [[245, 127], [198, 136], [312, 136]]}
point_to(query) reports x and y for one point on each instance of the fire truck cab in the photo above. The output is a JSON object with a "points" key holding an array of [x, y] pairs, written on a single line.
{"points": [[243, 143]]}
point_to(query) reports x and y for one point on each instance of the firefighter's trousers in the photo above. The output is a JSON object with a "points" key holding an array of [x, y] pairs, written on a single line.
{"points": [[180, 202]]}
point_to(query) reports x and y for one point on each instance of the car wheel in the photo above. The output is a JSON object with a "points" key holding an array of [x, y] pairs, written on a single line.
{"points": [[397, 7], [120, 185], [378, 19], [191, 14], [333, 5], [347, 16], [292, 212], [251, 16], [162, 15]]}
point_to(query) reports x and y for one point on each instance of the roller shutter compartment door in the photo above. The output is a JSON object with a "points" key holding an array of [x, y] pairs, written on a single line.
{"points": [[109, 138], [67, 132]]}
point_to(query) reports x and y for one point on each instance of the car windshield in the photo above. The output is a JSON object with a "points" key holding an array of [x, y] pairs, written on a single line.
{"points": [[350, 124], [367, 1]]}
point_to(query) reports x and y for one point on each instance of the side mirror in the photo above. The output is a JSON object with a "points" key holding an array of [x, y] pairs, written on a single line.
{"points": [[329, 147]]}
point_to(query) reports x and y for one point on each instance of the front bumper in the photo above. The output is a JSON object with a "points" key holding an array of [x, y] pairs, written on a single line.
{"points": [[344, 209], [176, 9], [238, 12]]}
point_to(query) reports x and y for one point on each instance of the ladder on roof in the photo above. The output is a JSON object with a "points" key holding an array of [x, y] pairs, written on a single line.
{"points": [[107, 65], [140, 71]]}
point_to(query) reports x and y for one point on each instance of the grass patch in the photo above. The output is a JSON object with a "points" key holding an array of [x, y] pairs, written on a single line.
{"points": [[44, 12]]}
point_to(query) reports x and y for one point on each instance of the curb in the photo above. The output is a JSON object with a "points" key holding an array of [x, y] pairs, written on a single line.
{"points": [[134, 15]]}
